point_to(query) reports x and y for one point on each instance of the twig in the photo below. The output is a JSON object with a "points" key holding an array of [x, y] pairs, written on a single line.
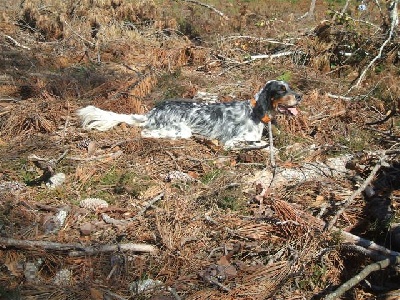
{"points": [[339, 97], [61, 157], [395, 20], [78, 35], [217, 283], [271, 145], [362, 275], [173, 293], [113, 295], [150, 204], [357, 192], [108, 155], [271, 41], [209, 7], [255, 57], [388, 115], [78, 249], [271, 56], [15, 43]]}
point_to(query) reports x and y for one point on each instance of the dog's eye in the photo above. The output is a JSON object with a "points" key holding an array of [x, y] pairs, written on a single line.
{"points": [[283, 88]]}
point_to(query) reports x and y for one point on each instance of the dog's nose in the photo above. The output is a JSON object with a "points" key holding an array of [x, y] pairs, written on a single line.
{"points": [[298, 97]]}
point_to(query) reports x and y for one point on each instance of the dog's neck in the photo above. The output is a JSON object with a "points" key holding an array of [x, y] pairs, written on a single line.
{"points": [[262, 106]]}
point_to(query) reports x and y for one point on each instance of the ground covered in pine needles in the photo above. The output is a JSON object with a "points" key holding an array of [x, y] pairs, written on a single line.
{"points": [[111, 215]]}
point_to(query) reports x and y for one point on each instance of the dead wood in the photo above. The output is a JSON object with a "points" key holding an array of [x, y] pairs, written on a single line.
{"points": [[271, 56], [271, 145], [209, 7], [48, 166], [16, 43], [380, 265], [393, 13], [112, 155], [75, 249], [357, 192], [367, 244], [388, 115]]}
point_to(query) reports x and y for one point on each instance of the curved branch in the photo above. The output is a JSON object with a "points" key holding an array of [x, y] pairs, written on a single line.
{"points": [[394, 22], [362, 275]]}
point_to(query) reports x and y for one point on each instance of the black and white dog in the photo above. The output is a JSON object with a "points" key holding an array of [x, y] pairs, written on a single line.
{"points": [[231, 123]]}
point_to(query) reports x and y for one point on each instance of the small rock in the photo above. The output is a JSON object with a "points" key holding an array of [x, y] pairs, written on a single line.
{"points": [[86, 229]]}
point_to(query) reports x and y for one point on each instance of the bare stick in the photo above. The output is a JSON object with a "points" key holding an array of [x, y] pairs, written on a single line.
{"points": [[271, 41], [113, 295], [345, 6], [209, 7], [91, 44], [380, 265], [16, 43], [395, 20], [367, 244], [173, 293], [356, 193], [271, 56], [271, 145], [388, 115], [310, 12], [339, 97], [78, 248], [99, 157], [255, 57], [151, 203]]}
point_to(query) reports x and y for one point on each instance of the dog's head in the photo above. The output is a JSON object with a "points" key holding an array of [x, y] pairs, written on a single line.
{"points": [[275, 97]]}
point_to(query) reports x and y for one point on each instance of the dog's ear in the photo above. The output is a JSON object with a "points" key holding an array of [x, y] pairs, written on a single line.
{"points": [[264, 101]]}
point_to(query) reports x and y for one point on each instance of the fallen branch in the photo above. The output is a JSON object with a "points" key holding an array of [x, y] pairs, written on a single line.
{"points": [[48, 166], [209, 7], [339, 97], [356, 193], [271, 41], [271, 145], [388, 115], [271, 56], [367, 244], [16, 43], [255, 57], [91, 44], [75, 249], [112, 155], [394, 22], [380, 265]]}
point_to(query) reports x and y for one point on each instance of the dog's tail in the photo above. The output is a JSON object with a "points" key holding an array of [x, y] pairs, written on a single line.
{"points": [[96, 118]]}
